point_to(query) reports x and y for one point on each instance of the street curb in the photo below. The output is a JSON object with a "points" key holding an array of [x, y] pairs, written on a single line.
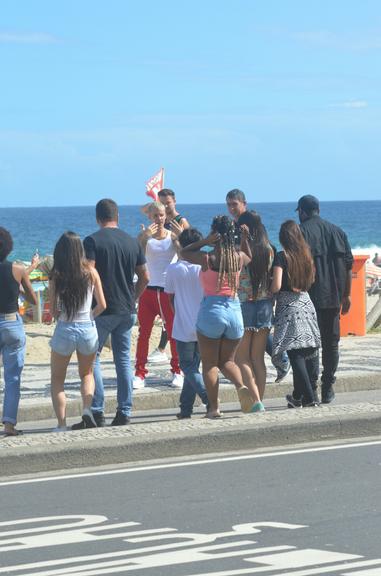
{"points": [[42, 409], [87, 450]]}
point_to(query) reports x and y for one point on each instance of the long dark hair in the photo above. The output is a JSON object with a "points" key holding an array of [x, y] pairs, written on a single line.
{"points": [[71, 274], [229, 263], [300, 265], [261, 252]]}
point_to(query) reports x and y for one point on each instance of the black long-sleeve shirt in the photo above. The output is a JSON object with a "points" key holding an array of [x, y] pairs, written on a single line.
{"points": [[333, 258]]}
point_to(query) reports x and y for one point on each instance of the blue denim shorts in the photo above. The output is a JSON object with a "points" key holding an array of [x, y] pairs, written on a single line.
{"points": [[220, 317], [257, 315], [71, 336]]}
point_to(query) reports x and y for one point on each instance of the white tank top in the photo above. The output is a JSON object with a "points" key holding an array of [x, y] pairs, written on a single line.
{"points": [[159, 254], [84, 313]]}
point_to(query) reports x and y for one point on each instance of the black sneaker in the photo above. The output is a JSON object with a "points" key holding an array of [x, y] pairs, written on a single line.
{"points": [[88, 418], [99, 418], [327, 395], [311, 405], [293, 402], [120, 419], [181, 416], [85, 422]]}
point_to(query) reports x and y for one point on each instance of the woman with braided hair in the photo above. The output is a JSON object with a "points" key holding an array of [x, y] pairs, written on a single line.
{"points": [[219, 322]]}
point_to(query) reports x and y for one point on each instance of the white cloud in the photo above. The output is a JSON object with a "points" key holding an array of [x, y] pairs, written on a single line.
{"points": [[356, 104], [27, 38], [368, 40]]}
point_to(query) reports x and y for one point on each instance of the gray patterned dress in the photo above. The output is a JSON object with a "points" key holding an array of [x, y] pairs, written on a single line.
{"points": [[295, 324]]}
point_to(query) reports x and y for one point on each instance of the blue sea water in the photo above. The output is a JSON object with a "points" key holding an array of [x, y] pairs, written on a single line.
{"points": [[40, 228]]}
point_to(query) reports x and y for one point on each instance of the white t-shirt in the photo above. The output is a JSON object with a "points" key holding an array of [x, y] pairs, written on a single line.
{"points": [[159, 253], [183, 281]]}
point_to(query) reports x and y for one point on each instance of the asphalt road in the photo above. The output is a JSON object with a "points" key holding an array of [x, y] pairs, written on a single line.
{"points": [[298, 512]]}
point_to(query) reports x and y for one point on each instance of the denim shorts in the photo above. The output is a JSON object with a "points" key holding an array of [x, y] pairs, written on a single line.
{"points": [[220, 317], [71, 336], [257, 314]]}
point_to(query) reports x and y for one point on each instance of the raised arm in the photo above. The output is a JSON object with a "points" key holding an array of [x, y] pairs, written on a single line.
{"points": [[245, 241], [146, 233], [30, 294], [192, 253]]}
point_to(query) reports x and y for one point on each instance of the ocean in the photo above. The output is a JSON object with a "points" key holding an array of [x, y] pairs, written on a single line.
{"points": [[40, 228]]}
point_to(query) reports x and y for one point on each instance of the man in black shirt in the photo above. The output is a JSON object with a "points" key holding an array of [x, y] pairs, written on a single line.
{"points": [[331, 290], [117, 258]]}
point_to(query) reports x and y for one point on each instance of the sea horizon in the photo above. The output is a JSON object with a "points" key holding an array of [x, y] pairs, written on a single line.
{"points": [[38, 228], [147, 200]]}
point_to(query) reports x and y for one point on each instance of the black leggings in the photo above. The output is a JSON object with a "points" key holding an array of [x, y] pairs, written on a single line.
{"points": [[303, 370]]}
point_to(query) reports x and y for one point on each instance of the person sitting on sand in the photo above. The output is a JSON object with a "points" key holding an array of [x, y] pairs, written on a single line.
{"points": [[12, 335]]}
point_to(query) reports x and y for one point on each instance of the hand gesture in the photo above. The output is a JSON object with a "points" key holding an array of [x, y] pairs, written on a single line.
{"points": [[213, 238], [245, 233], [175, 228], [35, 261], [148, 231]]}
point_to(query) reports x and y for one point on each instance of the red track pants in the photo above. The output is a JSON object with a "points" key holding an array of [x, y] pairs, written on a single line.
{"points": [[153, 303]]}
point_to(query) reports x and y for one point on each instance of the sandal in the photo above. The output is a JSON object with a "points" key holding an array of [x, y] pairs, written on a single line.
{"points": [[245, 399], [213, 415]]}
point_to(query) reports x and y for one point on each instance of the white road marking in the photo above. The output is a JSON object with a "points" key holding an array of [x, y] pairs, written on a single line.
{"points": [[191, 463], [308, 572]]}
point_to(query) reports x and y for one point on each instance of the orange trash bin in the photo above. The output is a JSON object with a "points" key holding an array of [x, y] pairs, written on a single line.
{"points": [[354, 323]]}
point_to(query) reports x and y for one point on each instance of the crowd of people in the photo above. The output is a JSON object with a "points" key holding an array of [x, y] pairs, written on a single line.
{"points": [[224, 300]]}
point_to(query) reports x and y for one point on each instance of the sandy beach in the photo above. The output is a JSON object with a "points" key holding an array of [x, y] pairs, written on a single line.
{"points": [[38, 336]]}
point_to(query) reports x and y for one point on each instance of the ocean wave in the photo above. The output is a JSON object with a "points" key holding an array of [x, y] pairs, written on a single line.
{"points": [[372, 249]]}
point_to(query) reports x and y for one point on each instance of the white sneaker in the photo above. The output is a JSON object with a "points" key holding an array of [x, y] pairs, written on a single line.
{"points": [[157, 357], [60, 429], [177, 381], [138, 383]]}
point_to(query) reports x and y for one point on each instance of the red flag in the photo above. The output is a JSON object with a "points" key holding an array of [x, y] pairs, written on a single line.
{"points": [[155, 184]]}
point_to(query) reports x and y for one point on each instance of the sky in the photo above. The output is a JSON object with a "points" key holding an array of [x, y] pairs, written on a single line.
{"points": [[279, 98]]}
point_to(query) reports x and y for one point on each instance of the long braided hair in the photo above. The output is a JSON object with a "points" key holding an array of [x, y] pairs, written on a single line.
{"points": [[229, 263]]}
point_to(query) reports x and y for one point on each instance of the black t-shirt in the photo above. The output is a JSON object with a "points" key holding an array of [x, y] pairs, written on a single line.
{"points": [[281, 262], [116, 255], [9, 289]]}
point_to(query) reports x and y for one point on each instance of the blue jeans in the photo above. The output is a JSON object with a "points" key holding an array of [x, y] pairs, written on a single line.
{"points": [[189, 360], [120, 327], [12, 348]]}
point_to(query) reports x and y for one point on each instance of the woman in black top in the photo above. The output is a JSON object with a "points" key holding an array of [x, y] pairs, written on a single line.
{"points": [[295, 328], [12, 334]]}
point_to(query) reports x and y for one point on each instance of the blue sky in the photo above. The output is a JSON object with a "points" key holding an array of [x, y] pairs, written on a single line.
{"points": [[277, 97]]}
